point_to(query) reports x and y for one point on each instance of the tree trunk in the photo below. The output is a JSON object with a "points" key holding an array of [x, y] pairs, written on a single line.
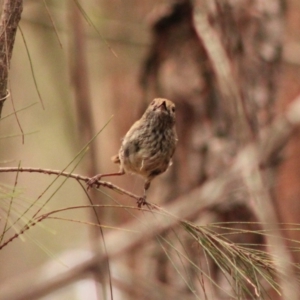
{"points": [[219, 62]]}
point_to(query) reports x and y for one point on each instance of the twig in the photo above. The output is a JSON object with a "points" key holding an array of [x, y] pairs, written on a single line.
{"points": [[53, 23], [29, 225], [71, 175], [48, 215]]}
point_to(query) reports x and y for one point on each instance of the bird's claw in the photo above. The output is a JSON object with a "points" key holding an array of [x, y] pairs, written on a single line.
{"points": [[141, 201], [93, 181]]}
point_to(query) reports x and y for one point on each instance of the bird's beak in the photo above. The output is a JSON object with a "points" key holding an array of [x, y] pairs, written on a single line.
{"points": [[163, 106]]}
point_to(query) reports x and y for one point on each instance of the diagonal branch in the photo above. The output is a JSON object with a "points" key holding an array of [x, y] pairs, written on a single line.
{"points": [[223, 71]]}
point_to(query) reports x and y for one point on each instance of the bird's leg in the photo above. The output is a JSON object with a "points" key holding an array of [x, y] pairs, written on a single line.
{"points": [[142, 201], [93, 180]]}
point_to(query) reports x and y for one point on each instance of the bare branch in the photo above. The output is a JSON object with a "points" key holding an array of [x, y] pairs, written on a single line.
{"points": [[70, 175]]}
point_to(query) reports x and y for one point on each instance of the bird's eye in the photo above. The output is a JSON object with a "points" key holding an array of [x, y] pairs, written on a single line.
{"points": [[173, 109], [153, 102]]}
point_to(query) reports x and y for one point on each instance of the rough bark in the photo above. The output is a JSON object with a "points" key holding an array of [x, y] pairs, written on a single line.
{"points": [[10, 18], [218, 61]]}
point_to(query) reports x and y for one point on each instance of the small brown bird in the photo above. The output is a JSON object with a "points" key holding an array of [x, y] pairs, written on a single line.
{"points": [[148, 146]]}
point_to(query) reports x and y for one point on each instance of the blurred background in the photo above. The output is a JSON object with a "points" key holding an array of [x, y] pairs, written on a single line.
{"points": [[99, 61]]}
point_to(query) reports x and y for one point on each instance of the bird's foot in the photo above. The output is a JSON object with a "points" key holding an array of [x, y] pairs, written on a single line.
{"points": [[93, 181], [142, 201]]}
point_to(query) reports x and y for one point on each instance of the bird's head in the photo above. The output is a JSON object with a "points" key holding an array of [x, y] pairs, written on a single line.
{"points": [[162, 108]]}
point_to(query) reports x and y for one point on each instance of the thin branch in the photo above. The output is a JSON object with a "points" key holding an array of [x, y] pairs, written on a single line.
{"points": [[89, 21], [17, 118], [9, 208], [32, 68], [37, 219], [70, 175], [53, 23]]}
